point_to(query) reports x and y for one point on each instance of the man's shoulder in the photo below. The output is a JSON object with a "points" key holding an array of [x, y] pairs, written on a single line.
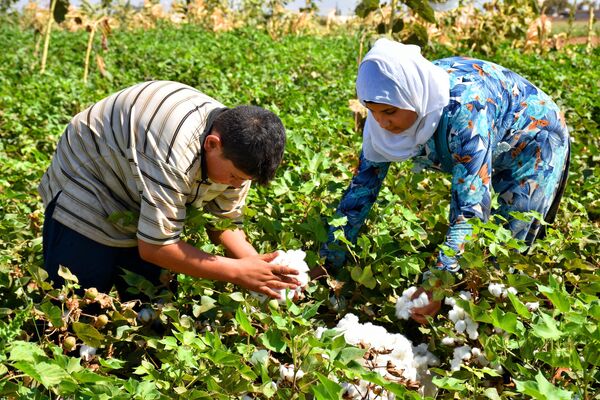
{"points": [[172, 89]]}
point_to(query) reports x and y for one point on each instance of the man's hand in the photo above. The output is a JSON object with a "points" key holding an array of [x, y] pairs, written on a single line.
{"points": [[256, 274], [420, 314]]}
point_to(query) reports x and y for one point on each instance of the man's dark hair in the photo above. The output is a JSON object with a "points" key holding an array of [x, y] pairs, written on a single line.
{"points": [[253, 139]]}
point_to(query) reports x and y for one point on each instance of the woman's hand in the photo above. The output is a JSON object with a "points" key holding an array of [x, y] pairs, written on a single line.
{"points": [[257, 274], [420, 314]]}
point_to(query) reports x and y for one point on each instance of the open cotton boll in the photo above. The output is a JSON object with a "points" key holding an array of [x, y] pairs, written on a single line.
{"points": [[287, 372], [460, 354], [496, 289], [405, 303], [534, 306], [87, 352], [293, 259]]}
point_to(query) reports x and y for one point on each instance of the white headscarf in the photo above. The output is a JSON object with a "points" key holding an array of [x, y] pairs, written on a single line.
{"points": [[397, 74]]}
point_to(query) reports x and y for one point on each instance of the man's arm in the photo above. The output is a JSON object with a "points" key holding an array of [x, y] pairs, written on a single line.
{"points": [[234, 241], [252, 272]]}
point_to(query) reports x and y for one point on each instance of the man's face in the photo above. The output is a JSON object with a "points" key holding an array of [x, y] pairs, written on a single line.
{"points": [[218, 168], [390, 118]]}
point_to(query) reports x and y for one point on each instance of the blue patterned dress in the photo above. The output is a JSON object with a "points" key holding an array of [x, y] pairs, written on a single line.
{"points": [[501, 133]]}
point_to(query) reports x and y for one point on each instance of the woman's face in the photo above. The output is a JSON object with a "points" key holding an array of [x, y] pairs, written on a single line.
{"points": [[390, 118]]}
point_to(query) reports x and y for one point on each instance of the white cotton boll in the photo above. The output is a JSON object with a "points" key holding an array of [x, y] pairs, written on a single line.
{"points": [[421, 301], [512, 290], [319, 332], [453, 315], [460, 326], [496, 289], [293, 259], [448, 341], [460, 354], [403, 309], [465, 295], [498, 368], [450, 301], [534, 306], [87, 352], [405, 303], [472, 327], [408, 293], [286, 373]]}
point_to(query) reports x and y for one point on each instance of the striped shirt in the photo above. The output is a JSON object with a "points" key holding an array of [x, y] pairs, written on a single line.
{"points": [[129, 166]]}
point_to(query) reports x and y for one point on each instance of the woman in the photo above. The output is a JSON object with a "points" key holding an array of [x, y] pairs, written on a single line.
{"points": [[487, 126]]}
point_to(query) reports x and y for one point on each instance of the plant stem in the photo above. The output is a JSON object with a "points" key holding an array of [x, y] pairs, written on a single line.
{"points": [[392, 12], [88, 51], [590, 28], [47, 36]]}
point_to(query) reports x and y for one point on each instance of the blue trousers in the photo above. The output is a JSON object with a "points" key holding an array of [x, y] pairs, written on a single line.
{"points": [[94, 264]]}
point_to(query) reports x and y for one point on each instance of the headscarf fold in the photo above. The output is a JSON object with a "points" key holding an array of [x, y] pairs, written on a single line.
{"points": [[397, 74]]}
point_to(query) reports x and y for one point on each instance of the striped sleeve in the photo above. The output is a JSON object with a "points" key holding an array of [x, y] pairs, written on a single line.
{"points": [[229, 204]]}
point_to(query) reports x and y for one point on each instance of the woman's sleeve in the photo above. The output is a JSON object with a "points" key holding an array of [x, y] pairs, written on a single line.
{"points": [[355, 206], [470, 146]]}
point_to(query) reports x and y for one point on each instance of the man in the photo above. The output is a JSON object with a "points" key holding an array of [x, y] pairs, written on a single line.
{"points": [[126, 169]]}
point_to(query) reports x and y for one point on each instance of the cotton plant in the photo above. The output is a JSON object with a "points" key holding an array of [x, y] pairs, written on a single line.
{"points": [[392, 355], [293, 259]]}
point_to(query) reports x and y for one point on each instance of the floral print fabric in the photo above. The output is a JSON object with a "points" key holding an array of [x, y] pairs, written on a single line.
{"points": [[503, 133]]}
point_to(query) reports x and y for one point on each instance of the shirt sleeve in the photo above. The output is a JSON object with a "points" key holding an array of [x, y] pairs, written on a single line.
{"points": [[229, 204], [470, 146]]}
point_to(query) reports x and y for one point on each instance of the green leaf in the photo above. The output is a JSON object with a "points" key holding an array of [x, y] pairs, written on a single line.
{"points": [[237, 296], [449, 383], [327, 389], [364, 276], [506, 321], [350, 353], [53, 313], [546, 328], [206, 303], [273, 340], [25, 351], [520, 308], [112, 363], [310, 312], [558, 297], [542, 389], [88, 334], [47, 374], [244, 321], [491, 393], [64, 273]]}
